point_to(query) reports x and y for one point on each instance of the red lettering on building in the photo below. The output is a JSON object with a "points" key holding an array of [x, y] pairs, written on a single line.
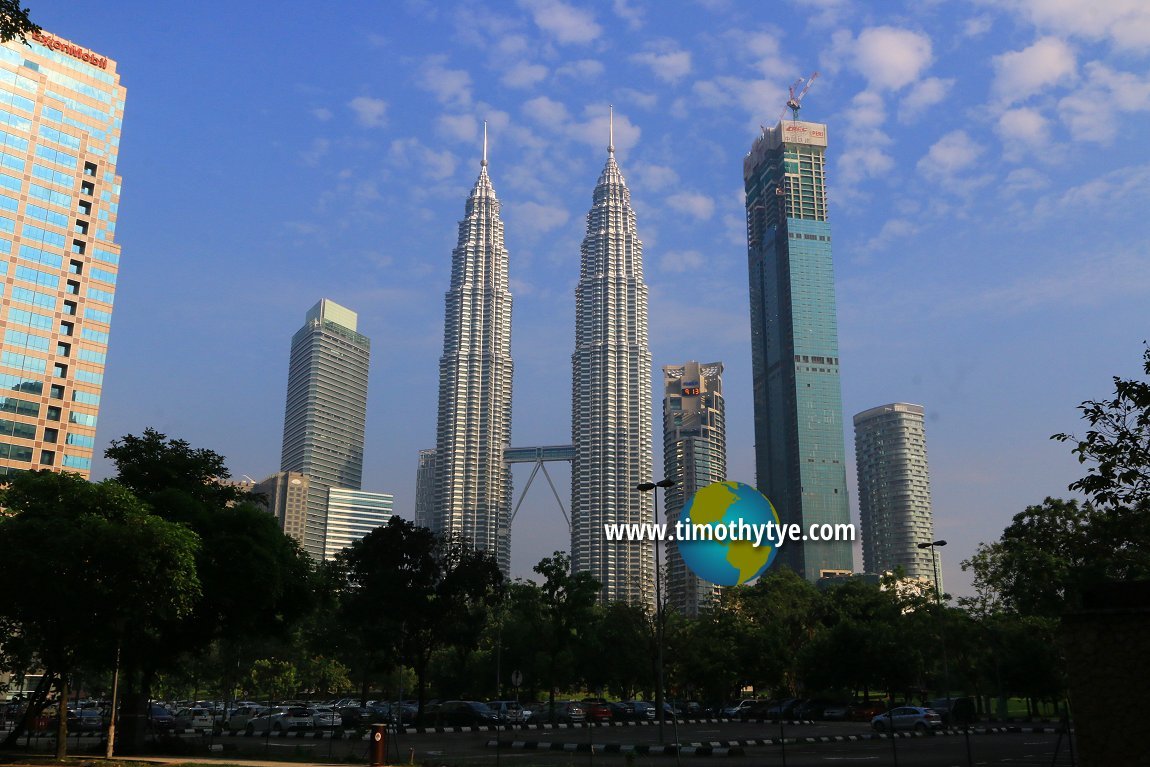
{"points": [[75, 51]]}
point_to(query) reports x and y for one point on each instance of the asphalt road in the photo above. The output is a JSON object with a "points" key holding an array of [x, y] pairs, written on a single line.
{"points": [[1026, 748]]}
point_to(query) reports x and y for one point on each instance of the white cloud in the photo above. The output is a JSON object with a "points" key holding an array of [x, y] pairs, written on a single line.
{"points": [[1021, 74], [411, 152], [952, 153], [566, 23], [651, 176], [546, 111], [977, 26], [680, 261], [581, 69], [922, 96], [594, 131], [538, 218], [450, 86], [891, 58], [668, 63], [638, 98], [323, 114], [316, 152], [862, 162], [698, 206], [524, 75], [369, 112], [894, 229], [1024, 125], [628, 13], [1091, 113], [1123, 23], [457, 127]]}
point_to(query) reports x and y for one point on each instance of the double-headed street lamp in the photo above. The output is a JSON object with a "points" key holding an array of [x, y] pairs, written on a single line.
{"points": [[647, 487], [932, 545]]}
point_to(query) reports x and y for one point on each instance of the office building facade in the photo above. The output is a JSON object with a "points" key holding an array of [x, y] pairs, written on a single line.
{"points": [[611, 417], [285, 494], [799, 443], [894, 491], [695, 456], [352, 514], [425, 488], [472, 482], [60, 113], [326, 411]]}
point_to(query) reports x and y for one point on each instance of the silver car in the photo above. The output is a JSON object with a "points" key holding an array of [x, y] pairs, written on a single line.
{"points": [[325, 718], [281, 719]]}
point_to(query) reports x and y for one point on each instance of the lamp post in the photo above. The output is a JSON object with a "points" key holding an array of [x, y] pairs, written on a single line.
{"points": [[646, 487], [932, 545]]}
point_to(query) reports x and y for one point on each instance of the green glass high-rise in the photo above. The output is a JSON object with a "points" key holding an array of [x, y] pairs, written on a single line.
{"points": [[799, 447]]}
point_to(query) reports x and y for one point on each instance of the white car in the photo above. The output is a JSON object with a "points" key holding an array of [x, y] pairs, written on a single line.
{"points": [[242, 715], [907, 718], [281, 719], [325, 718], [197, 719]]}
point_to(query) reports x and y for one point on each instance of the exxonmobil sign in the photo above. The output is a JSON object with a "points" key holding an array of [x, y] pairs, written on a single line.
{"points": [[75, 51]]}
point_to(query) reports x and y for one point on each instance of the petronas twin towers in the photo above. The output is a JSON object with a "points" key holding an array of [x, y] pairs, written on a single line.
{"points": [[611, 416]]}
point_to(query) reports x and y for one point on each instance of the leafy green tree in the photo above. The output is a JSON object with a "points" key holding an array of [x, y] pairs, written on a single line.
{"points": [[104, 571], [256, 583], [14, 21], [565, 604], [1117, 444], [615, 650]]}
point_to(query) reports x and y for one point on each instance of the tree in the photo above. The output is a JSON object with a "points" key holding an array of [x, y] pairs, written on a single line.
{"points": [[14, 22], [565, 602], [102, 571], [1117, 444], [256, 583]]}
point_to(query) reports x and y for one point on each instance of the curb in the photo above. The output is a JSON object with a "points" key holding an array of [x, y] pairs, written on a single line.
{"points": [[618, 748]]}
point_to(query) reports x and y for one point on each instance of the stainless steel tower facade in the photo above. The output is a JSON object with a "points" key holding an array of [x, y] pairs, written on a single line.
{"points": [[694, 455], [611, 397], [472, 482], [326, 410]]}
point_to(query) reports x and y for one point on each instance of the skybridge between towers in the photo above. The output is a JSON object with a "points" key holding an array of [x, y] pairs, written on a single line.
{"points": [[540, 456]]}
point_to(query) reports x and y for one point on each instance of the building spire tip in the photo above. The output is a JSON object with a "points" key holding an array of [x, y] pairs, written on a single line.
{"points": [[611, 130], [483, 163]]}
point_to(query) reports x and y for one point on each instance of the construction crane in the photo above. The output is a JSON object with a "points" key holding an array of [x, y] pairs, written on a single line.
{"points": [[795, 102]]}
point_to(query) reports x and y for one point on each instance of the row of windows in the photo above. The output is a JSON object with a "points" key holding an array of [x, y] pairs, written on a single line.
{"points": [[45, 215], [50, 195], [23, 362], [59, 137], [7, 98], [72, 83], [20, 340], [26, 84], [15, 121], [20, 407]]}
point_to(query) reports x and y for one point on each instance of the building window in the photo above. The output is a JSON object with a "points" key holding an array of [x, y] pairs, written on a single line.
{"points": [[78, 247], [87, 188], [73, 288], [66, 328], [82, 227], [76, 267], [90, 169], [53, 413], [63, 349], [69, 307], [60, 370], [51, 435], [47, 457], [85, 207], [56, 392]]}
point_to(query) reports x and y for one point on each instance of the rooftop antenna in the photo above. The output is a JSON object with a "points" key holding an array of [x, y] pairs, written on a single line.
{"points": [[795, 102], [484, 163], [611, 129]]}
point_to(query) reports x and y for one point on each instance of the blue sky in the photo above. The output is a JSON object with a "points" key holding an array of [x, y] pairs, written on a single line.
{"points": [[989, 180]]}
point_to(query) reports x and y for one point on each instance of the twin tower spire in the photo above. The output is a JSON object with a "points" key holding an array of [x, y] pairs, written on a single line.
{"points": [[465, 487]]}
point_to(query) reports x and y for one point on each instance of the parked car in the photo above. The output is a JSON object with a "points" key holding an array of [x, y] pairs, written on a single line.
{"points": [[196, 719], [570, 712], [509, 711], [907, 718], [622, 711], [644, 711], [281, 719], [735, 710], [597, 710], [865, 711], [955, 712], [241, 716], [160, 719], [355, 715], [325, 718], [783, 709], [758, 711]]}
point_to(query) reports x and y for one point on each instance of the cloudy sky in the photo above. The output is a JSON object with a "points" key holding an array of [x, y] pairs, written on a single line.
{"points": [[989, 180]]}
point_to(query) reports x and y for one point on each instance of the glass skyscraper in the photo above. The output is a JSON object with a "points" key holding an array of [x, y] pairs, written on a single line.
{"points": [[60, 111], [799, 448], [352, 514], [694, 455], [326, 411], [894, 490], [611, 398], [472, 482]]}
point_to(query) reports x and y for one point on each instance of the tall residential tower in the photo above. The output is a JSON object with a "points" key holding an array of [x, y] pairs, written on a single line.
{"points": [[799, 452], [472, 481], [694, 455], [611, 397], [326, 411], [60, 111], [894, 490]]}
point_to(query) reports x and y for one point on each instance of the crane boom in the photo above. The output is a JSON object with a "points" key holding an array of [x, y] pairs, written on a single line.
{"points": [[795, 102]]}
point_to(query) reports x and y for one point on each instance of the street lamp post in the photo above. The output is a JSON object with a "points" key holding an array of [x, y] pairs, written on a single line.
{"points": [[932, 545], [659, 712]]}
